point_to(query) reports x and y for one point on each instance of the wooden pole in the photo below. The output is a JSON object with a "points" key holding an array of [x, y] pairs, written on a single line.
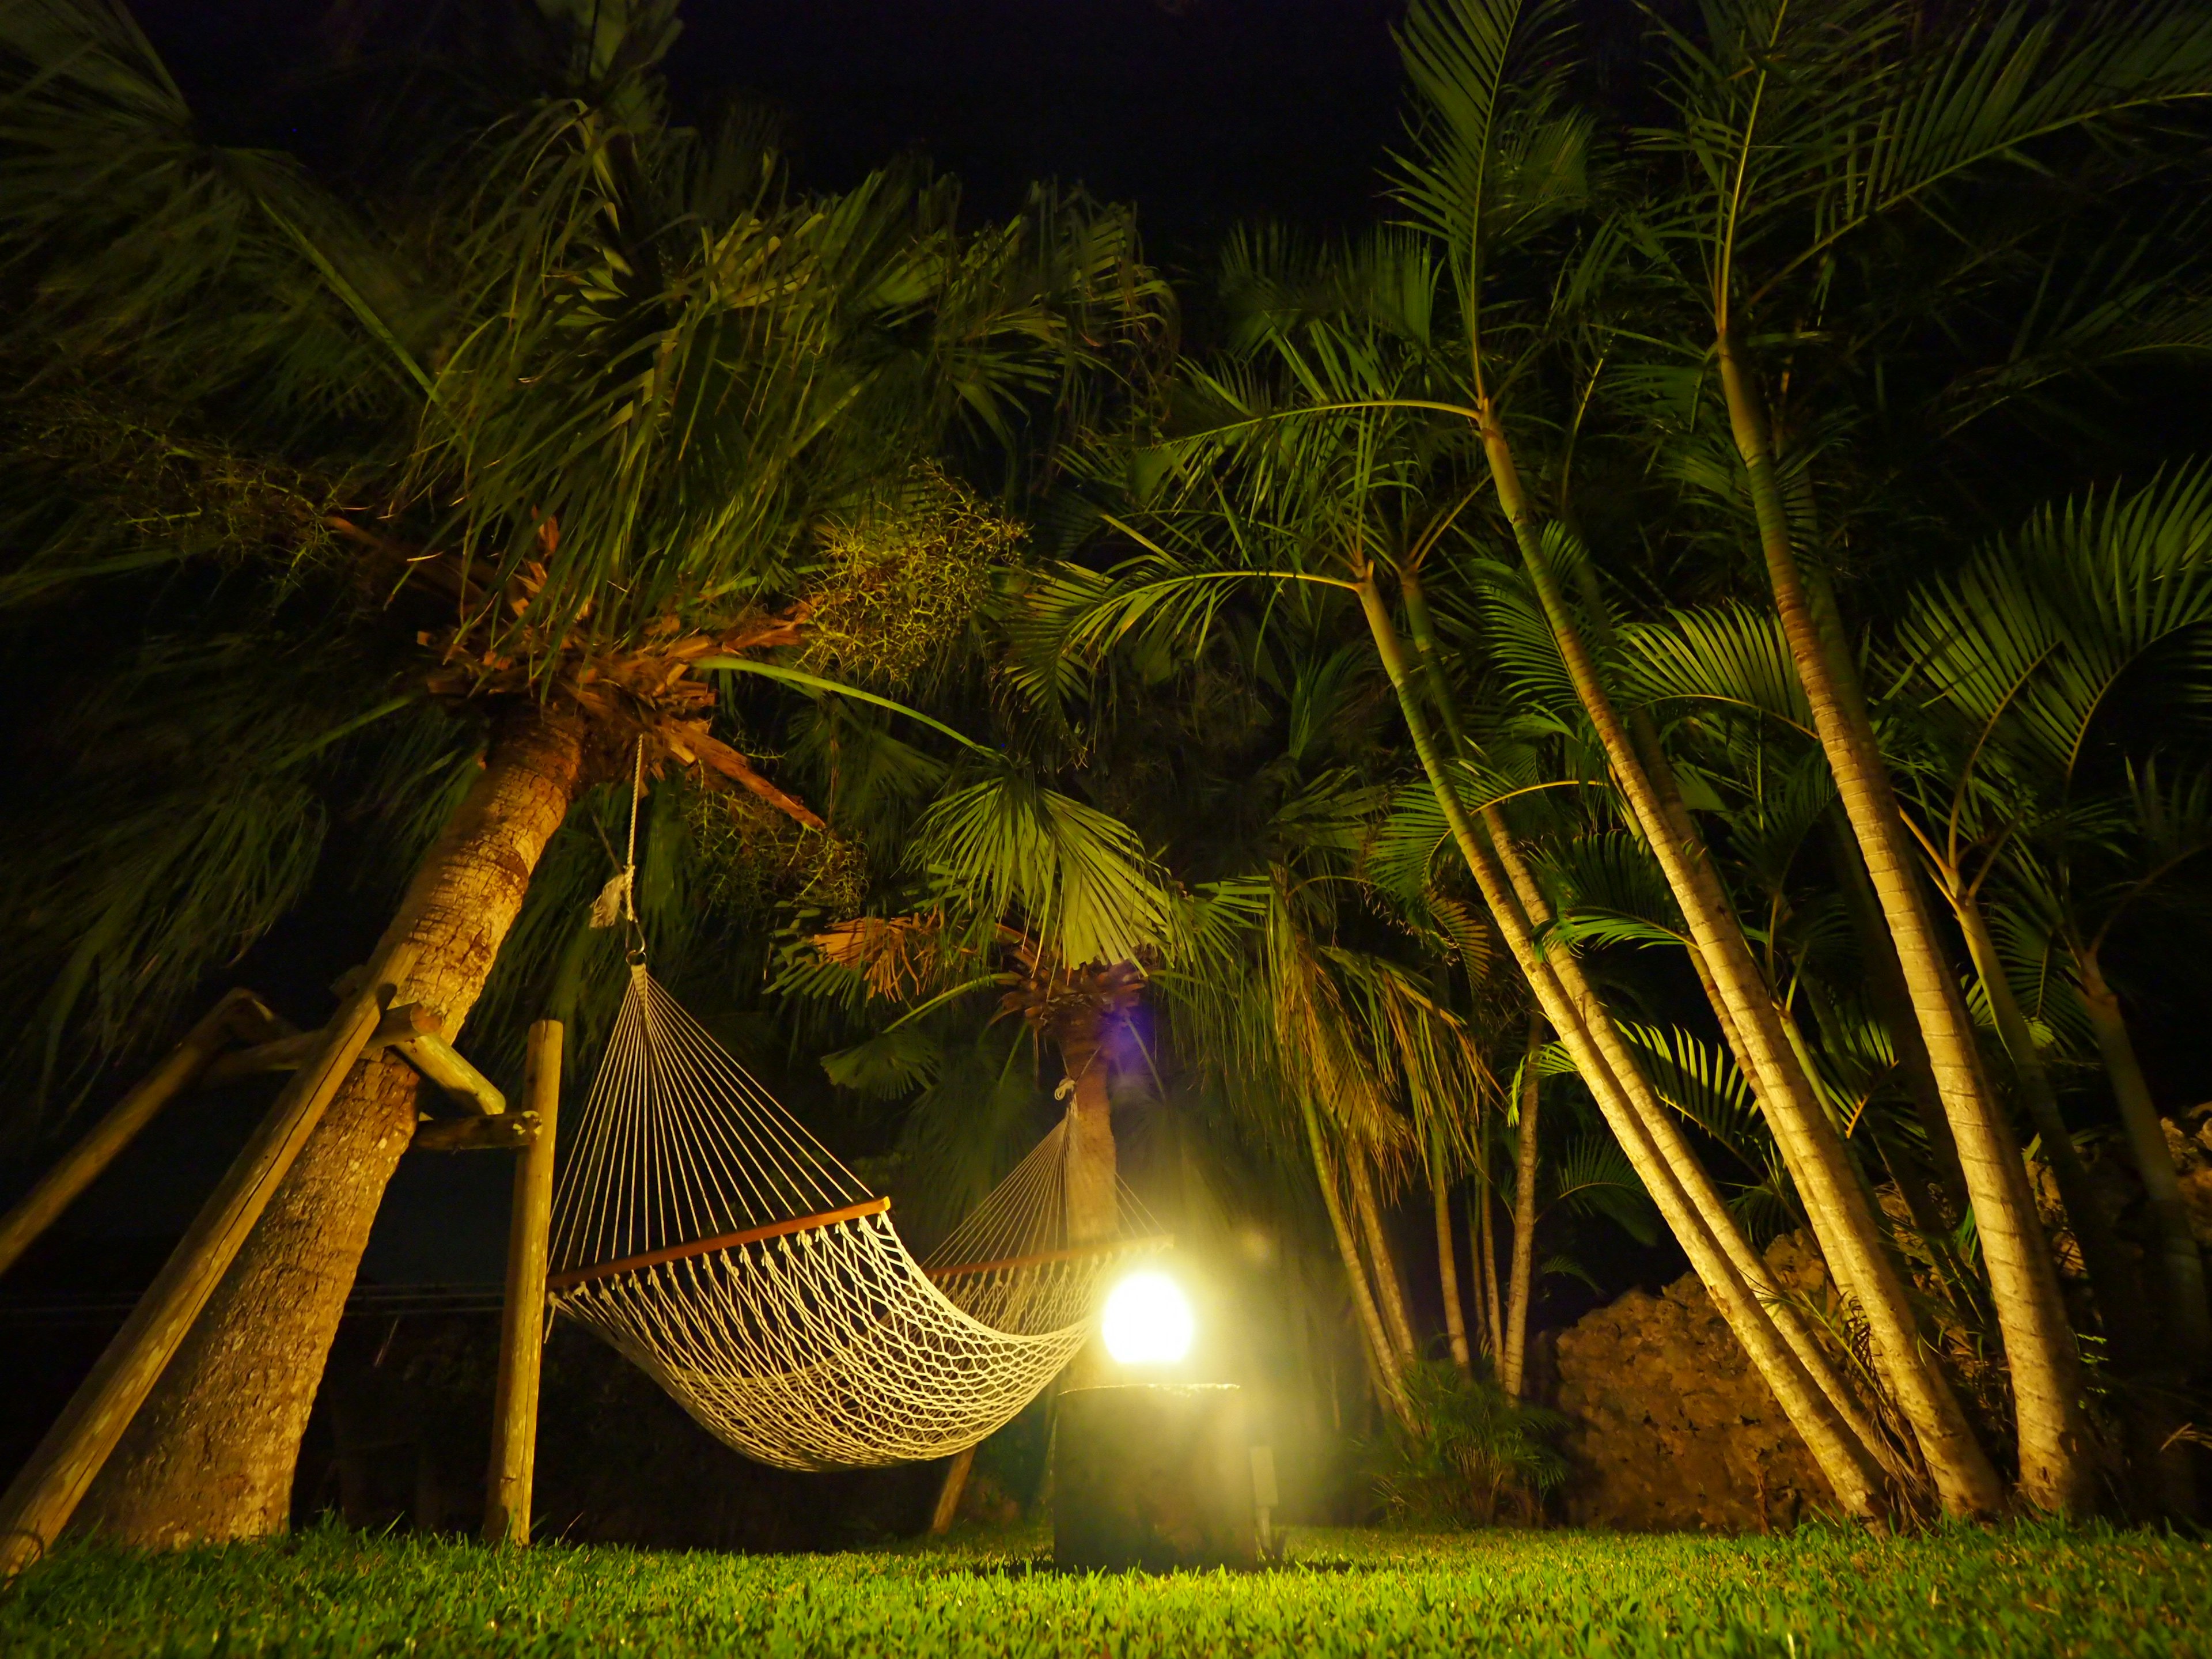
{"points": [[239, 1013], [522, 1320], [46, 1491], [949, 1490]]}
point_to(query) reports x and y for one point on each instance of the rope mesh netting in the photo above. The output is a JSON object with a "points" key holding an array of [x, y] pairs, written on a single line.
{"points": [[704, 1233]]}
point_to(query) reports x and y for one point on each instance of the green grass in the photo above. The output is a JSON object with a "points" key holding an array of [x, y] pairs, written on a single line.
{"points": [[2027, 1591]]}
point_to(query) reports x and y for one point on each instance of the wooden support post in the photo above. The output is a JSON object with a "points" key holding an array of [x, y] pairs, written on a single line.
{"points": [[948, 1493], [45, 1492], [522, 1320], [241, 1013]]}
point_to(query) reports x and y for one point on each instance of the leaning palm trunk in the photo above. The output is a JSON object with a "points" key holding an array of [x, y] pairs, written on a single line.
{"points": [[212, 1454], [1659, 1122], [1390, 1291], [1835, 1202], [1389, 1374], [2038, 1344], [1602, 1059], [2181, 1264], [1512, 1368], [2163, 1465]]}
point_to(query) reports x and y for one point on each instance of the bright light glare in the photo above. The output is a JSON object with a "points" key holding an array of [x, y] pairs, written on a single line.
{"points": [[1147, 1320]]}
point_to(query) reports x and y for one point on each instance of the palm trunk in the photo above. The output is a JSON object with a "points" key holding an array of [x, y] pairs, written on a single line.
{"points": [[1094, 1191], [212, 1454], [1390, 1291], [1448, 1255], [1885, 983], [1842, 1219], [1390, 1375], [2111, 1275], [1659, 1122], [2181, 1264], [1512, 1368], [1493, 1307], [2054, 1444], [1585, 1027]]}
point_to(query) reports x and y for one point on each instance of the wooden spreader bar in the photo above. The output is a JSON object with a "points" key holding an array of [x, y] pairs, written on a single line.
{"points": [[720, 1242], [1073, 1252]]}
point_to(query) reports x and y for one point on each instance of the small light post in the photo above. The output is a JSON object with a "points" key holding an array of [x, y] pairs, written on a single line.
{"points": [[1152, 1472]]}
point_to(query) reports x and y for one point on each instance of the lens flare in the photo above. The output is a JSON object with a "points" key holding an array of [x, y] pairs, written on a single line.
{"points": [[1147, 1320]]}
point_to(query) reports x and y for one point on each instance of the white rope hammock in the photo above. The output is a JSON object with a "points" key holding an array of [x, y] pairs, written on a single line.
{"points": [[704, 1233]]}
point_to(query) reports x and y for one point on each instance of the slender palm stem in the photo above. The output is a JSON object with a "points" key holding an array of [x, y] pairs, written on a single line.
{"points": [[1388, 1374], [1835, 1199], [1851, 1469], [2181, 1263], [1512, 1368], [1446, 1251], [2054, 1446], [1390, 1291], [1660, 1124]]}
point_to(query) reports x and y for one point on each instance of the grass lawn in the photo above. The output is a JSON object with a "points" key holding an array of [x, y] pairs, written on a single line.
{"points": [[2033, 1590]]}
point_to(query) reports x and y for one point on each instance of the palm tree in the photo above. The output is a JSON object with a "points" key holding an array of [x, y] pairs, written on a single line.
{"points": [[567, 421], [2023, 657], [1796, 132], [1493, 157]]}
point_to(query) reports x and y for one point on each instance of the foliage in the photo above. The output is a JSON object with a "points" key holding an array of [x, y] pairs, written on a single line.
{"points": [[1471, 1451], [2024, 1592]]}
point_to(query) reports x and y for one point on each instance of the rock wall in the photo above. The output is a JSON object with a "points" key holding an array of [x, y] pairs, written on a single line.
{"points": [[1671, 1429]]}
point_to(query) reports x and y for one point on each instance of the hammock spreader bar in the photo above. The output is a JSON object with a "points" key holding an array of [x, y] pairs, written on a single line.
{"points": [[1040, 1258], [720, 1242]]}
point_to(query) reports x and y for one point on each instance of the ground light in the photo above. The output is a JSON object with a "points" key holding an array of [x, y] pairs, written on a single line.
{"points": [[1148, 1321], [1152, 1474]]}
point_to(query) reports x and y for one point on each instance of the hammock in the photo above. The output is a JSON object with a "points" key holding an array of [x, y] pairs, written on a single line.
{"points": [[705, 1234]]}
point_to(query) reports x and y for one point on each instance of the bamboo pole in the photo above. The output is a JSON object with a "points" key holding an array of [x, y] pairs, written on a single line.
{"points": [[85, 1163], [46, 1491], [522, 1320]]}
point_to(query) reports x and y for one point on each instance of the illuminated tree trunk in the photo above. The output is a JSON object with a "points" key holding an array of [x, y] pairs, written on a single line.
{"points": [[1511, 1369], [1390, 1292], [1836, 1200], [212, 1453], [1389, 1374], [1586, 1030], [2056, 1473], [1446, 1254]]}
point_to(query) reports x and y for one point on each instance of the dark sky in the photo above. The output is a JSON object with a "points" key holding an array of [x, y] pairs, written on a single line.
{"points": [[1201, 112]]}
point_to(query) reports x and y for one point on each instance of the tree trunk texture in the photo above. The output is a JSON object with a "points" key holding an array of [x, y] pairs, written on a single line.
{"points": [[1094, 1196], [1390, 1290], [1448, 1257], [1381, 1358], [1512, 1370], [1892, 1005], [212, 1453], [1605, 1065], [1493, 1302], [2180, 1263], [1659, 1121], [1843, 1218], [2056, 1473]]}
